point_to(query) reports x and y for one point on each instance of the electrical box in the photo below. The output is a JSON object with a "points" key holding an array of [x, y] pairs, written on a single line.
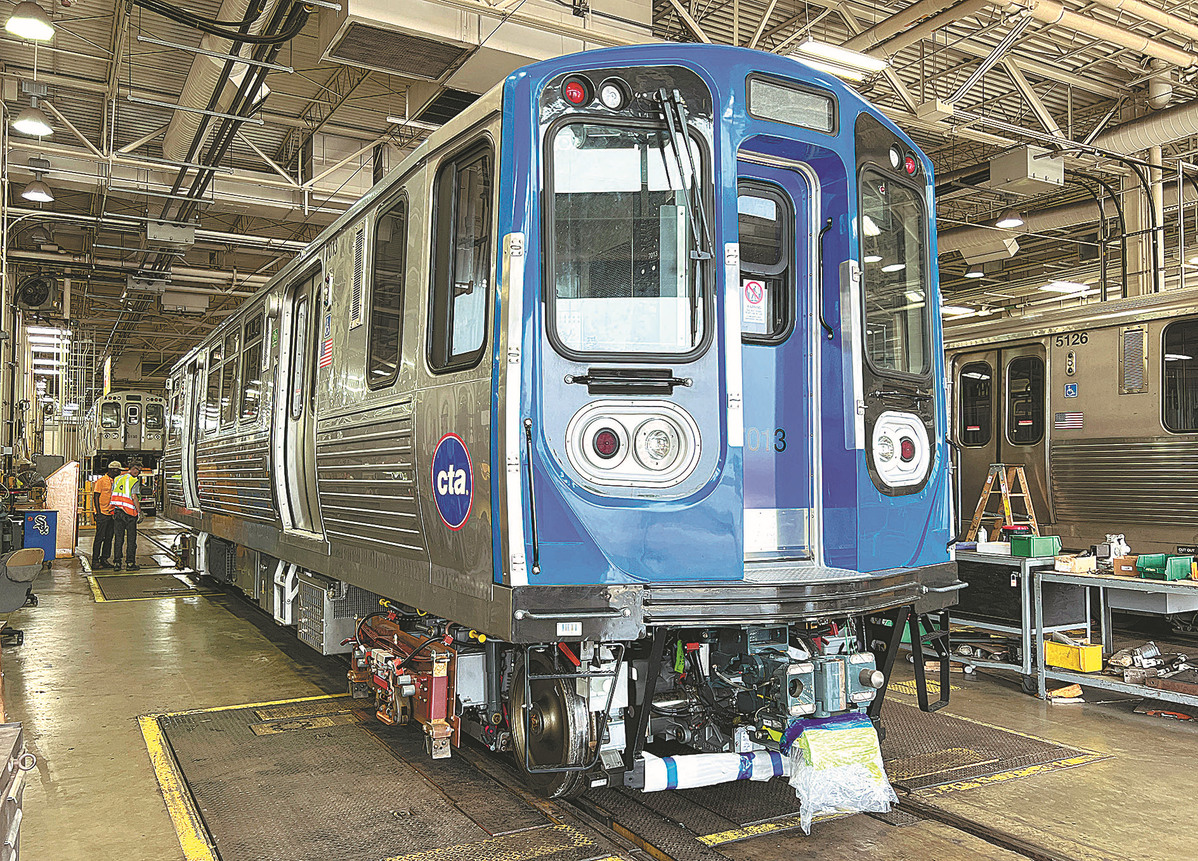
{"points": [[1027, 170]]}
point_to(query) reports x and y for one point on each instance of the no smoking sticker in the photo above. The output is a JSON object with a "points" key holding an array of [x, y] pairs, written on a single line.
{"points": [[754, 308]]}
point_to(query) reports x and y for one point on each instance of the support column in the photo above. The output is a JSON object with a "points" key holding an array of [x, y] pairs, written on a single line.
{"points": [[1156, 179], [1136, 211]]}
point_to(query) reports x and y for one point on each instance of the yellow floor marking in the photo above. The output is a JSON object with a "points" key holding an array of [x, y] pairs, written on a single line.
{"points": [[1015, 774], [782, 823], [500, 848], [247, 706], [93, 581], [908, 688], [179, 806], [293, 724], [96, 593]]}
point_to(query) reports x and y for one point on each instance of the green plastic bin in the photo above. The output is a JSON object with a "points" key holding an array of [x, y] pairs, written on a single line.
{"points": [[1175, 568], [1154, 563], [1035, 545]]}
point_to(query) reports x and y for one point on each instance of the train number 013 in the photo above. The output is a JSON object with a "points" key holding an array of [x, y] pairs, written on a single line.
{"points": [[757, 439], [1072, 339]]}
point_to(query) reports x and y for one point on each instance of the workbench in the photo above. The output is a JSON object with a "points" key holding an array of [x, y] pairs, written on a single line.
{"points": [[1103, 583], [1020, 568]]}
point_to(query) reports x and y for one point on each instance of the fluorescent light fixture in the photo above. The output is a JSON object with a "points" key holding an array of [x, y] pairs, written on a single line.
{"points": [[870, 227], [44, 372], [841, 56], [976, 375], [975, 272], [1193, 261], [47, 330], [37, 191], [30, 21], [955, 310], [872, 258], [914, 295], [1009, 220], [833, 69], [1064, 287], [33, 122], [1177, 357], [894, 267]]}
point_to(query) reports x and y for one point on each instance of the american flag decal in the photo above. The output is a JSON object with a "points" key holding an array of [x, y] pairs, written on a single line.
{"points": [[326, 353], [1067, 421]]}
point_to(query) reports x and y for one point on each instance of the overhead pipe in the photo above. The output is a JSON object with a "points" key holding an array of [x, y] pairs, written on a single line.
{"points": [[925, 29], [894, 24], [1154, 15], [192, 273], [1052, 12], [1151, 130]]}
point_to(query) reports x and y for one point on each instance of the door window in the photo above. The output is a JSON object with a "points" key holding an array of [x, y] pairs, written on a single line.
{"points": [[251, 369], [1179, 406], [765, 224], [461, 261], [133, 414], [211, 419], [976, 387], [1025, 400], [386, 296], [298, 358]]}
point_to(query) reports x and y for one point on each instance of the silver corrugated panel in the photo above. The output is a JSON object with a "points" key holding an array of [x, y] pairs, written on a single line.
{"points": [[172, 471], [324, 621], [367, 479], [1114, 481], [234, 478]]}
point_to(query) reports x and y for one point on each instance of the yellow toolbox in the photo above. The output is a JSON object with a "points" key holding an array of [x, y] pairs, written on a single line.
{"points": [[1083, 658]]}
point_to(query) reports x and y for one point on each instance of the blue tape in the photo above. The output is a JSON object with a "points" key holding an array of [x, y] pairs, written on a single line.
{"points": [[745, 770], [776, 762], [671, 773]]}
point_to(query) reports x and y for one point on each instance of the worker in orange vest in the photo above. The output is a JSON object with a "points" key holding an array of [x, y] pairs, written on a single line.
{"points": [[126, 500], [103, 508]]}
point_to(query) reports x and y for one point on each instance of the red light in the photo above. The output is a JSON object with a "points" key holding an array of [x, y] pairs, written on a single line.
{"points": [[910, 165], [606, 443], [907, 449], [575, 92]]}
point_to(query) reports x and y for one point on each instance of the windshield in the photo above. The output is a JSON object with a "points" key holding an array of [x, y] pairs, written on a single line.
{"points": [[893, 232], [154, 416], [110, 414], [624, 281]]}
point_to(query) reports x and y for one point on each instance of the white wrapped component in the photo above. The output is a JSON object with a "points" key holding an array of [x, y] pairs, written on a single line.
{"points": [[707, 769], [837, 768]]}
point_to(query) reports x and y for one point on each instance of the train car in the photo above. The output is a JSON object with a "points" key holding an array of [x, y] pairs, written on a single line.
{"points": [[1100, 406], [622, 393], [129, 427]]}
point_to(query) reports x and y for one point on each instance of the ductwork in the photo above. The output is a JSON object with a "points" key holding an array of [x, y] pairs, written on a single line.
{"points": [[1152, 130], [1154, 15], [896, 23], [205, 76], [928, 27], [1160, 85], [186, 273], [1052, 12]]}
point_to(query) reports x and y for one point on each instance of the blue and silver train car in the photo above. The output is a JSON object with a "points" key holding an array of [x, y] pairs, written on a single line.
{"points": [[636, 363]]}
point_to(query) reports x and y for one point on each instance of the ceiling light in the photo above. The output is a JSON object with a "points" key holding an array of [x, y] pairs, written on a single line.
{"points": [[914, 295], [842, 56], [894, 267], [955, 310], [872, 258], [833, 69], [1009, 220], [33, 122], [1193, 261], [1064, 287], [870, 227], [975, 272], [1177, 357], [30, 21], [37, 191]]}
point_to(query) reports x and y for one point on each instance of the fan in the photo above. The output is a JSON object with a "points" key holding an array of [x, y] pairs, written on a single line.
{"points": [[35, 292]]}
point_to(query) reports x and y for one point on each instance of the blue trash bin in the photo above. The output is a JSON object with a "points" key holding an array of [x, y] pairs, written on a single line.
{"points": [[41, 530]]}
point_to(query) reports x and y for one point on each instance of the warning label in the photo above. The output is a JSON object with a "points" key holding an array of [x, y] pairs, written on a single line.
{"points": [[754, 310]]}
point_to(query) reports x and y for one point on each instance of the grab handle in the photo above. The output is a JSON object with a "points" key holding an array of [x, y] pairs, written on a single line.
{"points": [[820, 293]]}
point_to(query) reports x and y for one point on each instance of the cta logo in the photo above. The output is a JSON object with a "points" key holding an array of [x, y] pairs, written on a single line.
{"points": [[453, 481]]}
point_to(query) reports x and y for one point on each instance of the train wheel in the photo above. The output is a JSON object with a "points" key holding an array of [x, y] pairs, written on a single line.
{"points": [[554, 733]]}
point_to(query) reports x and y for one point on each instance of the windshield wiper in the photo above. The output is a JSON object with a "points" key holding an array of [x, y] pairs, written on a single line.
{"points": [[915, 397]]}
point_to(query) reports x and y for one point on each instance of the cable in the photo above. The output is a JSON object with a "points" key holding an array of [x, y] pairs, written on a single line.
{"points": [[416, 651], [250, 18], [178, 16]]}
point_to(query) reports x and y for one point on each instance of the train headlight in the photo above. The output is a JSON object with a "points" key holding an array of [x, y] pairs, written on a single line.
{"points": [[902, 453], [884, 448], [614, 95], [657, 444]]}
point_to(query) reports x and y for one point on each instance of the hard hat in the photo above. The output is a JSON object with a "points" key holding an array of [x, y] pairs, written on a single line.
{"points": [[115, 464]]}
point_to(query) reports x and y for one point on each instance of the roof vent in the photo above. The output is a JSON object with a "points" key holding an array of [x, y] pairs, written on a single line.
{"points": [[447, 105], [393, 52]]}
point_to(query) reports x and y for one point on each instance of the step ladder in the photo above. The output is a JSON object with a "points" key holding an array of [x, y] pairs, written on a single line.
{"points": [[1012, 484]]}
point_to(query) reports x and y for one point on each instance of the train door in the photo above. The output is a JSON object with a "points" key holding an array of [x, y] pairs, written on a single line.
{"points": [[295, 407], [1000, 410], [189, 433], [775, 257], [133, 425]]}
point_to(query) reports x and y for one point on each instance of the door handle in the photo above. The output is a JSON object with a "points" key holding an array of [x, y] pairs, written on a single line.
{"points": [[820, 291]]}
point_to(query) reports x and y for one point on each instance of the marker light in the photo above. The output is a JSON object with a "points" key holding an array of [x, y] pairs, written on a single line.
{"points": [[910, 165], [884, 447], [576, 91], [896, 157], [606, 443], [907, 449]]}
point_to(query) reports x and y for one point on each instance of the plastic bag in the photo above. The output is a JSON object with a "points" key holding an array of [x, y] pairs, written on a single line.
{"points": [[836, 767]]}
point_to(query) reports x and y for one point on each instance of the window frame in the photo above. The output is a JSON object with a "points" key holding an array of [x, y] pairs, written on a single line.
{"points": [[1193, 321], [248, 343], [401, 199], [212, 367], [927, 267], [1009, 413], [549, 258], [146, 416], [960, 430], [443, 236], [120, 413], [789, 273], [787, 84]]}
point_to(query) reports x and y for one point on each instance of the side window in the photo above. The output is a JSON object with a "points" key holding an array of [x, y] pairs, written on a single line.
{"points": [[110, 414], [251, 369], [976, 388], [386, 296], [211, 416], [765, 223], [1025, 400], [228, 400], [1179, 404], [461, 261]]}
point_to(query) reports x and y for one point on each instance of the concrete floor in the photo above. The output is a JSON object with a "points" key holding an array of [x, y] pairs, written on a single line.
{"points": [[88, 670]]}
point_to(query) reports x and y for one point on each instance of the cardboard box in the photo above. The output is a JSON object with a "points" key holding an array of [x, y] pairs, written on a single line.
{"points": [[994, 548], [1125, 566], [1071, 563], [1082, 658]]}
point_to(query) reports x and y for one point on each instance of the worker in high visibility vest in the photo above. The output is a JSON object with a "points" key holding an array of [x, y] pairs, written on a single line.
{"points": [[104, 514], [126, 502]]}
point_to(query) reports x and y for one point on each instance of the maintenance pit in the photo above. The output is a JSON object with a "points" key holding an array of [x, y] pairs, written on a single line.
{"points": [[226, 738]]}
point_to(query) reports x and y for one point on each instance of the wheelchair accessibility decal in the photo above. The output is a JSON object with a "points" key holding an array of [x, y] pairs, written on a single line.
{"points": [[453, 481]]}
